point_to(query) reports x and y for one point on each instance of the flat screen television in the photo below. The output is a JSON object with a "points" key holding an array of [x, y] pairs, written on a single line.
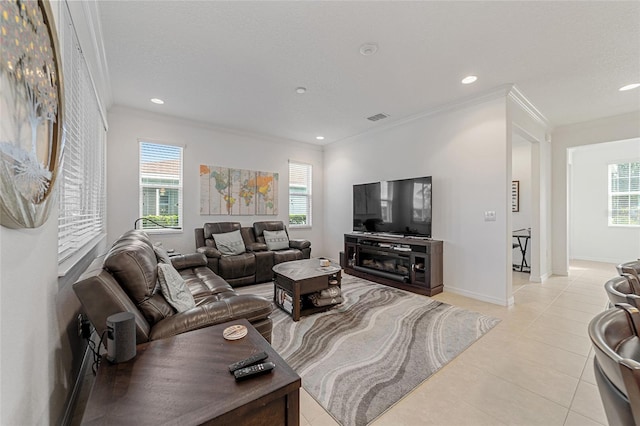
{"points": [[400, 207]]}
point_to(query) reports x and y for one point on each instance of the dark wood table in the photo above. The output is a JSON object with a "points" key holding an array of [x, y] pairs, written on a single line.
{"points": [[300, 277], [185, 380]]}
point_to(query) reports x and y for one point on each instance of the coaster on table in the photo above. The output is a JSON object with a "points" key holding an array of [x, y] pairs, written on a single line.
{"points": [[235, 332]]}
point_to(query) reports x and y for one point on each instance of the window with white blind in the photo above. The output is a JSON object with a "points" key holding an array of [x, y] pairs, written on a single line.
{"points": [[160, 186], [81, 179], [624, 194], [299, 194]]}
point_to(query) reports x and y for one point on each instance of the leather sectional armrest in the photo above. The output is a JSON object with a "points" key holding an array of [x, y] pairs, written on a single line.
{"points": [[210, 252], [191, 260], [256, 247], [299, 244], [251, 307]]}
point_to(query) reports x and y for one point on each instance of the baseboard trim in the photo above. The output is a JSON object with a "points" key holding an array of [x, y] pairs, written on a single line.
{"points": [[478, 296], [77, 385]]}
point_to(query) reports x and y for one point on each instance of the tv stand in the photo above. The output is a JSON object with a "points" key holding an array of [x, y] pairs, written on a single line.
{"points": [[409, 263]]}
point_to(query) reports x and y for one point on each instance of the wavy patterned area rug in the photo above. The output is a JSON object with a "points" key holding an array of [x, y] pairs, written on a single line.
{"points": [[363, 356]]}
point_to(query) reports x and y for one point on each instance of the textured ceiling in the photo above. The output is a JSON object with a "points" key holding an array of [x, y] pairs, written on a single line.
{"points": [[237, 64]]}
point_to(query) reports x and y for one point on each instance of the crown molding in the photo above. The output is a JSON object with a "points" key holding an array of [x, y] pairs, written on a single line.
{"points": [[527, 106], [495, 93], [208, 126]]}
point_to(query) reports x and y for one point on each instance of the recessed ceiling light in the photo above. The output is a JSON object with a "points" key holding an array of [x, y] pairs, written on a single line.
{"points": [[301, 90], [368, 49], [629, 87], [469, 79], [157, 101], [320, 138]]}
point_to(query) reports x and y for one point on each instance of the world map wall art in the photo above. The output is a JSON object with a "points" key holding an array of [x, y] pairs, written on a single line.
{"points": [[226, 191]]}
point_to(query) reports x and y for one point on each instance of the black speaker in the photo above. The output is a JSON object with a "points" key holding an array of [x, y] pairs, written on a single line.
{"points": [[121, 337]]}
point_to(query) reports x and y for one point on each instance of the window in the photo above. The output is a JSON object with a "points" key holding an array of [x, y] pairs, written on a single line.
{"points": [[160, 186], [81, 180], [299, 194], [624, 194]]}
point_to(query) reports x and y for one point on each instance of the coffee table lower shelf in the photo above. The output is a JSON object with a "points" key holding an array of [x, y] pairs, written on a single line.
{"points": [[303, 277]]}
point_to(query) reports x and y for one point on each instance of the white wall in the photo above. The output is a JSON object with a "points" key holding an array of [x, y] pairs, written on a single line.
{"points": [[203, 145], [617, 128], [39, 350], [521, 171], [590, 236], [465, 150]]}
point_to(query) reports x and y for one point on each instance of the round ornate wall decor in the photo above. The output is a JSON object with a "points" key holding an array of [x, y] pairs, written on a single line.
{"points": [[32, 105]]}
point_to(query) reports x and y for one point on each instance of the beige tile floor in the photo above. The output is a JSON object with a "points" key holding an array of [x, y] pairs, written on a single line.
{"points": [[534, 368]]}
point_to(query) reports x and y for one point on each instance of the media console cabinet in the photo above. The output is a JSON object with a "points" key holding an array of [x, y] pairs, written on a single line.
{"points": [[409, 263]]}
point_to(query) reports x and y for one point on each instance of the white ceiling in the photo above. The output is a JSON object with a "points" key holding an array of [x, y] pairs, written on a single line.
{"points": [[237, 64]]}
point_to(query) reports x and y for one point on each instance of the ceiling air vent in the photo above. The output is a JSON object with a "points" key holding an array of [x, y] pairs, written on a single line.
{"points": [[377, 117]]}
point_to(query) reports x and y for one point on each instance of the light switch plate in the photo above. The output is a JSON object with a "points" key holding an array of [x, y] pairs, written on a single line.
{"points": [[490, 216]]}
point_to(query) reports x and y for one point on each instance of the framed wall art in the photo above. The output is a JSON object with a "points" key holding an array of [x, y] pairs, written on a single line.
{"points": [[515, 196], [227, 191], [31, 101]]}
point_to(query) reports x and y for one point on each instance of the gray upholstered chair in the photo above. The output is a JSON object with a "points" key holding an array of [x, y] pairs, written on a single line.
{"points": [[623, 289], [614, 336]]}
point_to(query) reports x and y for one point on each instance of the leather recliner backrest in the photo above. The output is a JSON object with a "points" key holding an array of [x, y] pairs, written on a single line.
{"points": [[218, 228], [273, 225], [132, 262]]}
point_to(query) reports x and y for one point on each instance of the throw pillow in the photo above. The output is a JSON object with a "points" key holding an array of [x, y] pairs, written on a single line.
{"points": [[174, 289], [161, 254], [276, 240], [229, 243]]}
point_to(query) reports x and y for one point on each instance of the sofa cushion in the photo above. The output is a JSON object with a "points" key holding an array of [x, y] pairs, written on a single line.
{"points": [[286, 256], [276, 240], [230, 243], [241, 265], [174, 288]]}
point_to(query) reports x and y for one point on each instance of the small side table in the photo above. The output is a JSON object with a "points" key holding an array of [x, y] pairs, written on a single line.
{"points": [[185, 380]]}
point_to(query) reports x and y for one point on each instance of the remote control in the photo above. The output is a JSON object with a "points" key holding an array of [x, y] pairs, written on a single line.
{"points": [[253, 359], [254, 370]]}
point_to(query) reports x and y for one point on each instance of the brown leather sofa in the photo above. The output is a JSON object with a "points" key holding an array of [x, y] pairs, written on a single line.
{"points": [[127, 280], [255, 265], [616, 344]]}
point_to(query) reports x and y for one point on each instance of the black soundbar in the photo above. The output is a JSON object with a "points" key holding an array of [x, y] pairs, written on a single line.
{"points": [[382, 274]]}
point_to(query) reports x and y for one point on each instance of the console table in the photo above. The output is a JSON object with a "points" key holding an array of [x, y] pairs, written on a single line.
{"points": [[410, 263], [185, 380]]}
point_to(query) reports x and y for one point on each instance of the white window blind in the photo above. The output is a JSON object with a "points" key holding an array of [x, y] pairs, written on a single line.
{"points": [[624, 194], [160, 186], [81, 180], [300, 199]]}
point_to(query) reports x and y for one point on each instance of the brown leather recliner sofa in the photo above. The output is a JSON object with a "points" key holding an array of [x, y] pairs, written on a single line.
{"points": [[127, 280], [256, 263]]}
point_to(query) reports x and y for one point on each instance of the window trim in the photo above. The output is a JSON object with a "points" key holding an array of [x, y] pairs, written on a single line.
{"points": [[180, 188], [308, 195]]}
